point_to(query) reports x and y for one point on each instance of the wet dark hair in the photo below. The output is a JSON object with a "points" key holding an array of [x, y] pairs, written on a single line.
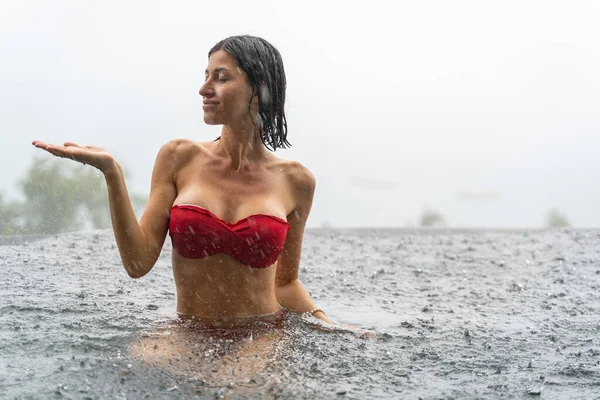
{"points": [[263, 65]]}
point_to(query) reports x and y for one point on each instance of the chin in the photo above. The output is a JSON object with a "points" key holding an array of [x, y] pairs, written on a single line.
{"points": [[209, 120]]}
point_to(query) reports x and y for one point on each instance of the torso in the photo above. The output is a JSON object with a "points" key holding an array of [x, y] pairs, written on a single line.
{"points": [[220, 285]]}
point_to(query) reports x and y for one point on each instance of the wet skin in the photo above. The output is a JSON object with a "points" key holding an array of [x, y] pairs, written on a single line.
{"points": [[233, 178], [219, 284]]}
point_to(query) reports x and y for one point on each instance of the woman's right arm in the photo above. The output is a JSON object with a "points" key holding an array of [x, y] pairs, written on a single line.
{"points": [[139, 243]]}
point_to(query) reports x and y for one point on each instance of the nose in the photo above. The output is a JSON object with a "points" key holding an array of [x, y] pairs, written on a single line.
{"points": [[206, 89]]}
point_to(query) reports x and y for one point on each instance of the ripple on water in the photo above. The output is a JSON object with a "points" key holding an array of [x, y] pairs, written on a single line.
{"points": [[460, 314]]}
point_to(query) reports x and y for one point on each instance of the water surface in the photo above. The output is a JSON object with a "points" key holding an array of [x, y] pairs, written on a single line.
{"points": [[460, 314]]}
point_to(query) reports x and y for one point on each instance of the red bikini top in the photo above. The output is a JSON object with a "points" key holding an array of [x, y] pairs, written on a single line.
{"points": [[256, 240]]}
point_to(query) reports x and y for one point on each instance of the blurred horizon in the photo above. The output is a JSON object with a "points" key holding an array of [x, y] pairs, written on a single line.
{"points": [[486, 114]]}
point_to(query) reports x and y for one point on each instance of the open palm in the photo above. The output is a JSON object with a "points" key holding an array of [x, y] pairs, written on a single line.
{"points": [[92, 155]]}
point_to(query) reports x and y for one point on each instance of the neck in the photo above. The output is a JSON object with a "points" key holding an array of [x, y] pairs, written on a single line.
{"points": [[241, 144]]}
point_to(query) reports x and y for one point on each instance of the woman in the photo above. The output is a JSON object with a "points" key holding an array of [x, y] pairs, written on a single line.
{"points": [[235, 212]]}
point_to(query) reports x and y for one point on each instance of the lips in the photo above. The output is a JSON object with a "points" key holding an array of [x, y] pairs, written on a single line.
{"points": [[209, 104]]}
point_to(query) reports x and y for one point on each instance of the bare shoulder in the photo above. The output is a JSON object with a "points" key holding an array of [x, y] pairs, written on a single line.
{"points": [[301, 181], [301, 178], [180, 147], [178, 152]]}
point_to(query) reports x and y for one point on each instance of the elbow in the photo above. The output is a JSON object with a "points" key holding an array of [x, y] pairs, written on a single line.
{"points": [[136, 270], [134, 274], [282, 283], [286, 290]]}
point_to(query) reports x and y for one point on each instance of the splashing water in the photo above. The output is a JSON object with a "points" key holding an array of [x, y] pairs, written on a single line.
{"points": [[74, 325]]}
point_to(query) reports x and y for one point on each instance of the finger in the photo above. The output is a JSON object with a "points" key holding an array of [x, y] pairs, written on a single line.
{"points": [[63, 152], [74, 153], [71, 144], [39, 143], [56, 150], [42, 145]]}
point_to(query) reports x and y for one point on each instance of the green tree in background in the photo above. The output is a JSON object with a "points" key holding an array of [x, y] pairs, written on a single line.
{"points": [[556, 219], [431, 218], [59, 197], [9, 213], [52, 193]]}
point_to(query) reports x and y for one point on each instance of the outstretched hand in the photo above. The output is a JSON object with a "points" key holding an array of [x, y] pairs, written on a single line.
{"points": [[92, 155]]}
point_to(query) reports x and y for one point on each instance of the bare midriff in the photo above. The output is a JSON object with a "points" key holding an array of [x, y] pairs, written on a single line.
{"points": [[219, 286]]}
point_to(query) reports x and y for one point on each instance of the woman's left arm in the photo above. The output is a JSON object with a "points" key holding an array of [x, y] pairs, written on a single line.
{"points": [[290, 291]]}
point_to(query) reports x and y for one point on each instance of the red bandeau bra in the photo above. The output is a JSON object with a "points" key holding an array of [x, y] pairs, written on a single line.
{"points": [[256, 240]]}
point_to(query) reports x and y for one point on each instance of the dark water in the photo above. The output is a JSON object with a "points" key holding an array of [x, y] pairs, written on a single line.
{"points": [[460, 314]]}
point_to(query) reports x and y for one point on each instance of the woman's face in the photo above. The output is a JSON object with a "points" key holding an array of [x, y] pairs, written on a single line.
{"points": [[226, 92]]}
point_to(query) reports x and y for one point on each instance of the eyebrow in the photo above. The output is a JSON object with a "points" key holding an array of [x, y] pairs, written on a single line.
{"points": [[217, 70]]}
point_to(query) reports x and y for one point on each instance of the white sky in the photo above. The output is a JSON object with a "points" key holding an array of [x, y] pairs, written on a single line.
{"points": [[484, 111]]}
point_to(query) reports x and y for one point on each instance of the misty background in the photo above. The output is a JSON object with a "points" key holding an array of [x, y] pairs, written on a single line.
{"points": [[484, 112]]}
